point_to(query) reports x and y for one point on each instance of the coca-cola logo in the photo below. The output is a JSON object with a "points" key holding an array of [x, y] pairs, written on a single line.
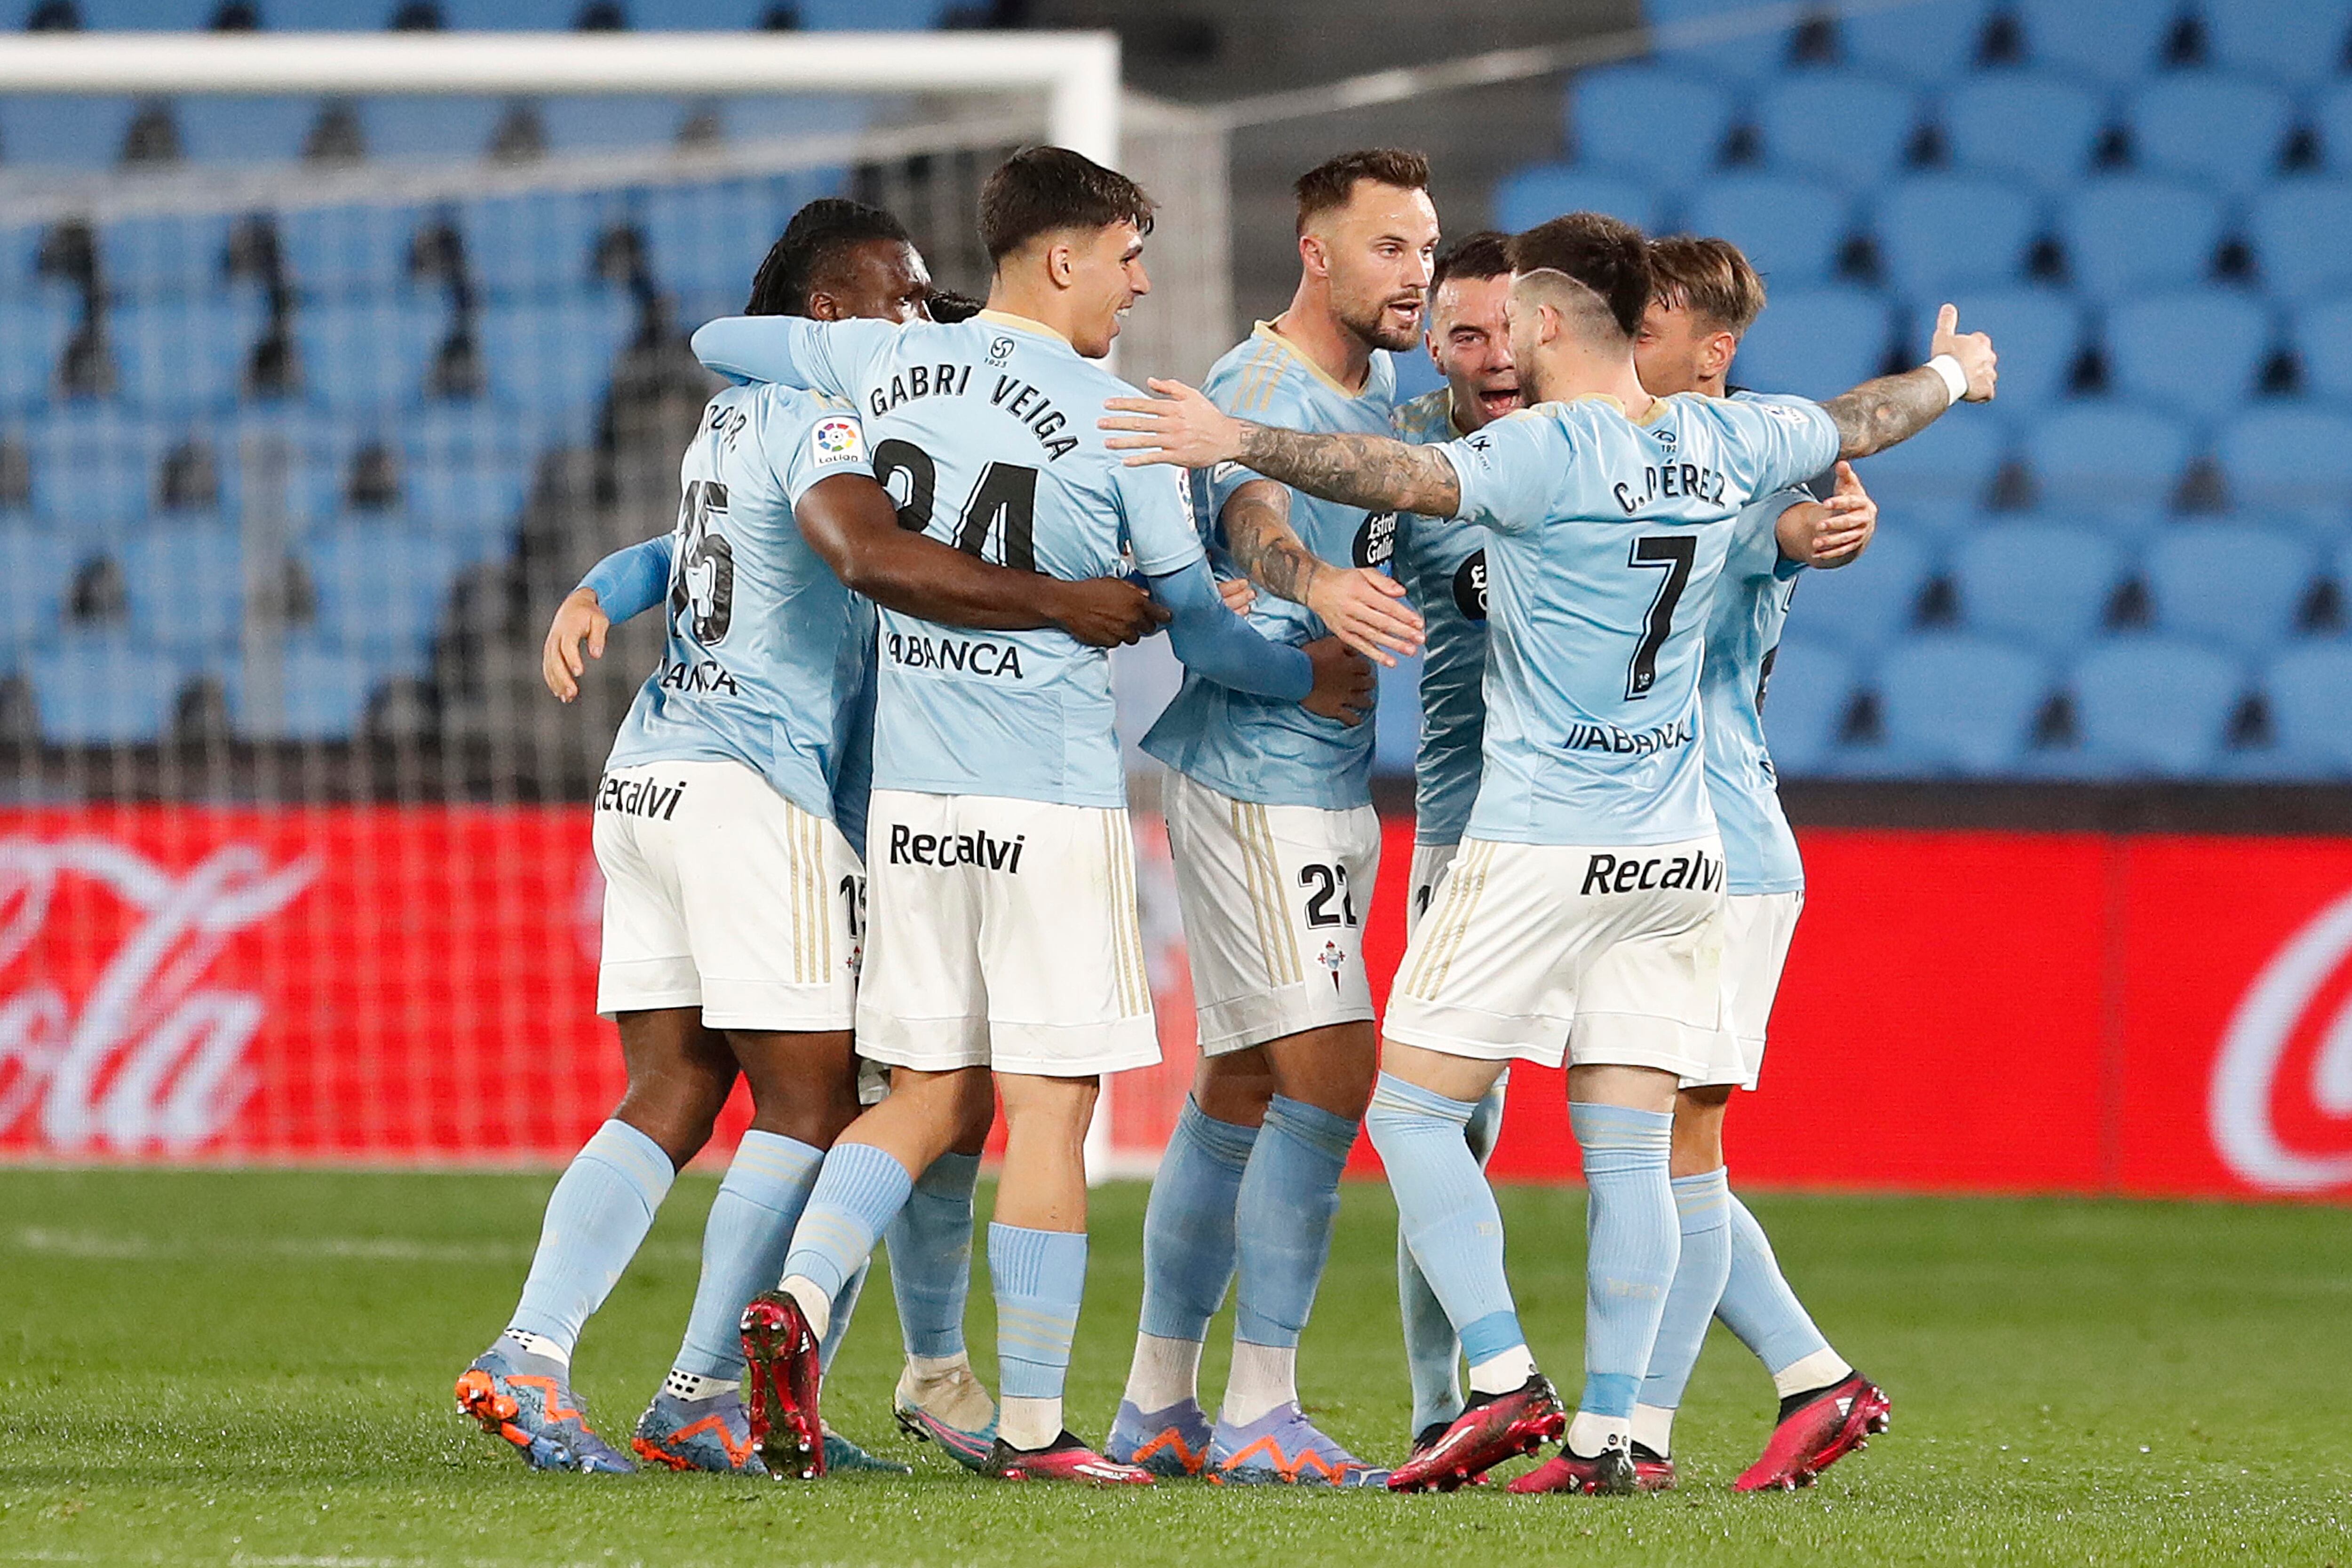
{"points": [[2285, 1066], [150, 1056]]}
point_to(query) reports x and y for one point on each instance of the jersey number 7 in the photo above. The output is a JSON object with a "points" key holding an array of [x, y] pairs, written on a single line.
{"points": [[1673, 553]]}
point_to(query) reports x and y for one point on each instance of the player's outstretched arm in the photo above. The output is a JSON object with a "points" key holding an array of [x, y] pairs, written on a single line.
{"points": [[849, 521], [1876, 415], [1182, 426], [1826, 535], [625, 583], [1325, 677], [1362, 607]]}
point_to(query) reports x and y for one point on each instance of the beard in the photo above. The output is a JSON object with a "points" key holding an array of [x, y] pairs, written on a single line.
{"points": [[1369, 320]]}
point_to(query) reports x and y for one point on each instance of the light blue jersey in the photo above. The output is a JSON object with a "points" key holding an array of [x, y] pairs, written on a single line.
{"points": [[1259, 748], [984, 432], [1606, 540], [1442, 561], [1751, 604], [767, 654]]}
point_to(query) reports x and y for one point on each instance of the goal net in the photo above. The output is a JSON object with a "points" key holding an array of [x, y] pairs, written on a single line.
{"points": [[328, 364]]}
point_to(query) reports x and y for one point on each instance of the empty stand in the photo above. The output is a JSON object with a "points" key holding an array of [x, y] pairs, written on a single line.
{"points": [[2147, 706]]}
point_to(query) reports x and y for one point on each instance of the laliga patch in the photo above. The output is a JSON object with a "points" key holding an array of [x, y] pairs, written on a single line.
{"points": [[837, 440]]}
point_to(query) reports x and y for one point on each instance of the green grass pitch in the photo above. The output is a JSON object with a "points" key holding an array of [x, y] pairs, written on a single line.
{"points": [[254, 1368]]}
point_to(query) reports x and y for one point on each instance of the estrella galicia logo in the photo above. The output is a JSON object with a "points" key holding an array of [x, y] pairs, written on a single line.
{"points": [[1470, 587], [1000, 351], [1376, 540]]}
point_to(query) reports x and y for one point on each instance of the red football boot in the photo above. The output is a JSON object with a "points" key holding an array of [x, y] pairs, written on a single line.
{"points": [[783, 1356], [1815, 1431], [1066, 1458], [1610, 1474], [1653, 1471], [1493, 1428]]}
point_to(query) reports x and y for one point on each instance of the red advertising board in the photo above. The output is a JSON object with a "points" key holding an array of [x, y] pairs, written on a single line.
{"points": [[1963, 1011]]}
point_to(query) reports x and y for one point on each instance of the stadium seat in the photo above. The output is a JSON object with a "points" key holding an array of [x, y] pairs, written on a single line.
{"points": [[304, 453], [1647, 123], [2234, 586], [2038, 333], [783, 115], [2146, 705], [510, 16], [1872, 601], [184, 354], [2106, 40], [185, 587], [2322, 336], [2039, 584], [472, 508], [2297, 227], [413, 128], [704, 237], [2310, 692], [2036, 125], [2200, 352], [381, 590], [1939, 233], [1746, 54], [1805, 701], [454, 435], [146, 15], [369, 354], [41, 132], [2331, 116], [1540, 192], [1939, 476], [93, 468], [2138, 232], [1790, 228], [33, 330], [245, 129], [2295, 41], [1848, 128], [2104, 457], [530, 248], [702, 15], [1814, 342], [1957, 704], [356, 251], [554, 362], [890, 15], [1927, 44], [2224, 130], [2288, 456], [178, 254], [607, 122], [324, 692], [36, 570], [102, 689]]}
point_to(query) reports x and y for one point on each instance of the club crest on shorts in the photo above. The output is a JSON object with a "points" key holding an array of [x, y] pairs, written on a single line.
{"points": [[1333, 959]]}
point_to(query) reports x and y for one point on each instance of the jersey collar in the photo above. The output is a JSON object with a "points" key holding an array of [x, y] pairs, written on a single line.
{"points": [[1658, 407], [1267, 331], [1022, 324]]}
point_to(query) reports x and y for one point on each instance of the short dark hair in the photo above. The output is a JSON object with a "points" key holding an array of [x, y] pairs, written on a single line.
{"points": [[1604, 254], [1040, 189], [1485, 253], [818, 239], [1710, 277], [1329, 183]]}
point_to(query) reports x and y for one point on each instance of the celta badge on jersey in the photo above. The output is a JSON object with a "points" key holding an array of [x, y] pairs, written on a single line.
{"points": [[837, 440]]}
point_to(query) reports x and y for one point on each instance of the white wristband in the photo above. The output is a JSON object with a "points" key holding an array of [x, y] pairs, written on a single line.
{"points": [[1955, 380]]}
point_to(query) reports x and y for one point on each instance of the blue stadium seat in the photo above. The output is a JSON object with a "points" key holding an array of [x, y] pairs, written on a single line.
{"points": [[2040, 126], [1648, 123], [607, 122], [48, 131], [184, 354], [870, 15], [782, 115], [2331, 116], [472, 508], [185, 587], [33, 330], [329, 16], [1939, 477], [554, 361], [2107, 458], [174, 253], [146, 15], [1805, 701], [2040, 584], [700, 15], [380, 589], [93, 468], [2037, 332], [1939, 233], [1872, 601], [2293, 41], [2224, 130], [1540, 192], [2146, 705], [2106, 40], [1844, 127], [359, 251], [370, 354], [413, 129], [2322, 335], [1747, 53], [2288, 456], [705, 239], [2199, 352], [2137, 232], [1814, 342], [324, 692], [20, 251], [1928, 44], [535, 246], [455, 435], [245, 129], [103, 689], [510, 16], [1957, 704], [1790, 227], [2232, 585], [307, 451], [2310, 692], [2298, 227], [37, 570]]}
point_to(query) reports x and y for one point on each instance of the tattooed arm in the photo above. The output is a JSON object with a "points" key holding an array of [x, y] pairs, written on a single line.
{"points": [[1361, 606], [1373, 472], [1877, 414]]}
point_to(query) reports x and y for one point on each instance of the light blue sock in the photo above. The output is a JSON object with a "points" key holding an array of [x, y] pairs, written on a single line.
{"points": [[931, 1257], [1632, 1242], [1432, 1351], [1040, 1277], [743, 1246], [1702, 1203], [1189, 1253], [845, 1307], [1446, 1212], [596, 1218], [1757, 1304], [1281, 1219], [859, 1191]]}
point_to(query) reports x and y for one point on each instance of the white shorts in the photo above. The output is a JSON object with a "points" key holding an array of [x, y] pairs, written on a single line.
{"points": [[1757, 927], [1002, 934], [1273, 900], [1548, 952], [721, 894], [1429, 864]]}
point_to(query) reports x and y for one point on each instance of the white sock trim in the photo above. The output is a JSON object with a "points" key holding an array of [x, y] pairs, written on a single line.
{"points": [[815, 1305], [1164, 1372], [1264, 1377], [539, 1344], [1029, 1423], [1654, 1427], [1588, 1434], [1818, 1370], [1502, 1374], [694, 1385], [932, 1368]]}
